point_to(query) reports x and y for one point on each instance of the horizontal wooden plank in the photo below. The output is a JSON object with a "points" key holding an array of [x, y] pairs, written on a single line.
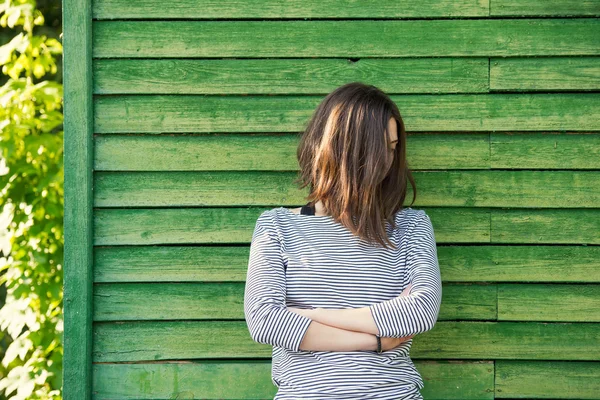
{"points": [[235, 225], [274, 152], [252, 380], [444, 113], [547, 379], [186, 340], [289, 76], [543, 74], [349, 38], [469, 302], [268, 9], [478, 263], [135, 301], [484, 188], [520, 263], [539, 189], [553, 303], [255, 152], [545, 226], [544, 8], [222, 300], [452, 225], [171, 263], [534, 150]]}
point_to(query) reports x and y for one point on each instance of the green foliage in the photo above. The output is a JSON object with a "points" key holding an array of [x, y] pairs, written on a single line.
{"points": [[31, 218]]}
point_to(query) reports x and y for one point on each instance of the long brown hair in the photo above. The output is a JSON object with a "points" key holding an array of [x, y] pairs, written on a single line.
{"points": [[343, 154]]}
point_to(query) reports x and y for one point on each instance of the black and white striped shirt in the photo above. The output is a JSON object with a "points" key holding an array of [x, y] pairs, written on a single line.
{"points": [[307, 261]]}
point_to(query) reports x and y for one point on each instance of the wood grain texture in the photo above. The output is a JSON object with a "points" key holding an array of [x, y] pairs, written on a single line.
{"points": [[234, 225], [452, 225], [545, 74], [481, 188], [347, 38], [545, 226], [547, 379], [520, 263], [544, 8], [76, 342], [187, 340], [273, 9], [289, 76], [541, 150], [218, 300], [447, 113], [252, 380], [550, 302], [170, 263], [458, 263], [277, 152]]}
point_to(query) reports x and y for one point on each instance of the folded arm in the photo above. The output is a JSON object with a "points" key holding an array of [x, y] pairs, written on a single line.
{"points": [[321, 337], [404, 315], [267, 317]]}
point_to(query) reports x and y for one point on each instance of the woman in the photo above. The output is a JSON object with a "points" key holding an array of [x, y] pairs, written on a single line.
{"points": [[340, 286]]}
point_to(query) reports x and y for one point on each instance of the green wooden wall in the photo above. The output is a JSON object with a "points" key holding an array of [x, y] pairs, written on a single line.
{"points": [[182, 120]]}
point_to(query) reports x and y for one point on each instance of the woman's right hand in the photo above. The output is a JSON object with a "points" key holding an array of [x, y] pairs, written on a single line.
{"points": [[388, 343]]}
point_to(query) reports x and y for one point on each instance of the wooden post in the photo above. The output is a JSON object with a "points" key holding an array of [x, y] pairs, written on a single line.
{"points": [[78, 222]]}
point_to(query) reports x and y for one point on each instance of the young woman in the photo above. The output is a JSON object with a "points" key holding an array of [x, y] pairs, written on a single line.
{"points": [[340, 286]]}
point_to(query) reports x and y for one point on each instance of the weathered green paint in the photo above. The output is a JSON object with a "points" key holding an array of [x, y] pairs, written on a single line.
{"points": [[266, 152], [78, 200], [320, 76], [560, 226], [459, 263], [447, 112], [474, 340], [351, 38], [535, 74], [233, 225], [260, 152], [545, 150], [267, 9], [206, 225], [290, 76], [201, 301], [544, 379], [480, 188], [172, 263], [550, 8], [520, 263], [554, 303], [461, 380]]}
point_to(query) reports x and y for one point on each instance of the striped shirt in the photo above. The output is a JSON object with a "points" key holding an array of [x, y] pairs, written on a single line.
{"points": [[309, 261]]}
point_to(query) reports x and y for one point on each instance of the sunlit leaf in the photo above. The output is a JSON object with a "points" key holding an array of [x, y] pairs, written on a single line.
{"points": [[31, 234]]}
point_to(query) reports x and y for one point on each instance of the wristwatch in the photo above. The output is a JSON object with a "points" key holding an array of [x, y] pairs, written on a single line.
{"points": [[378, 343]]}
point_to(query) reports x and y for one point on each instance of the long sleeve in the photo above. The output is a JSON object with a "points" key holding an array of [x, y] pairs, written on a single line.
{"points": [[418, 311], [268, 319]]}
